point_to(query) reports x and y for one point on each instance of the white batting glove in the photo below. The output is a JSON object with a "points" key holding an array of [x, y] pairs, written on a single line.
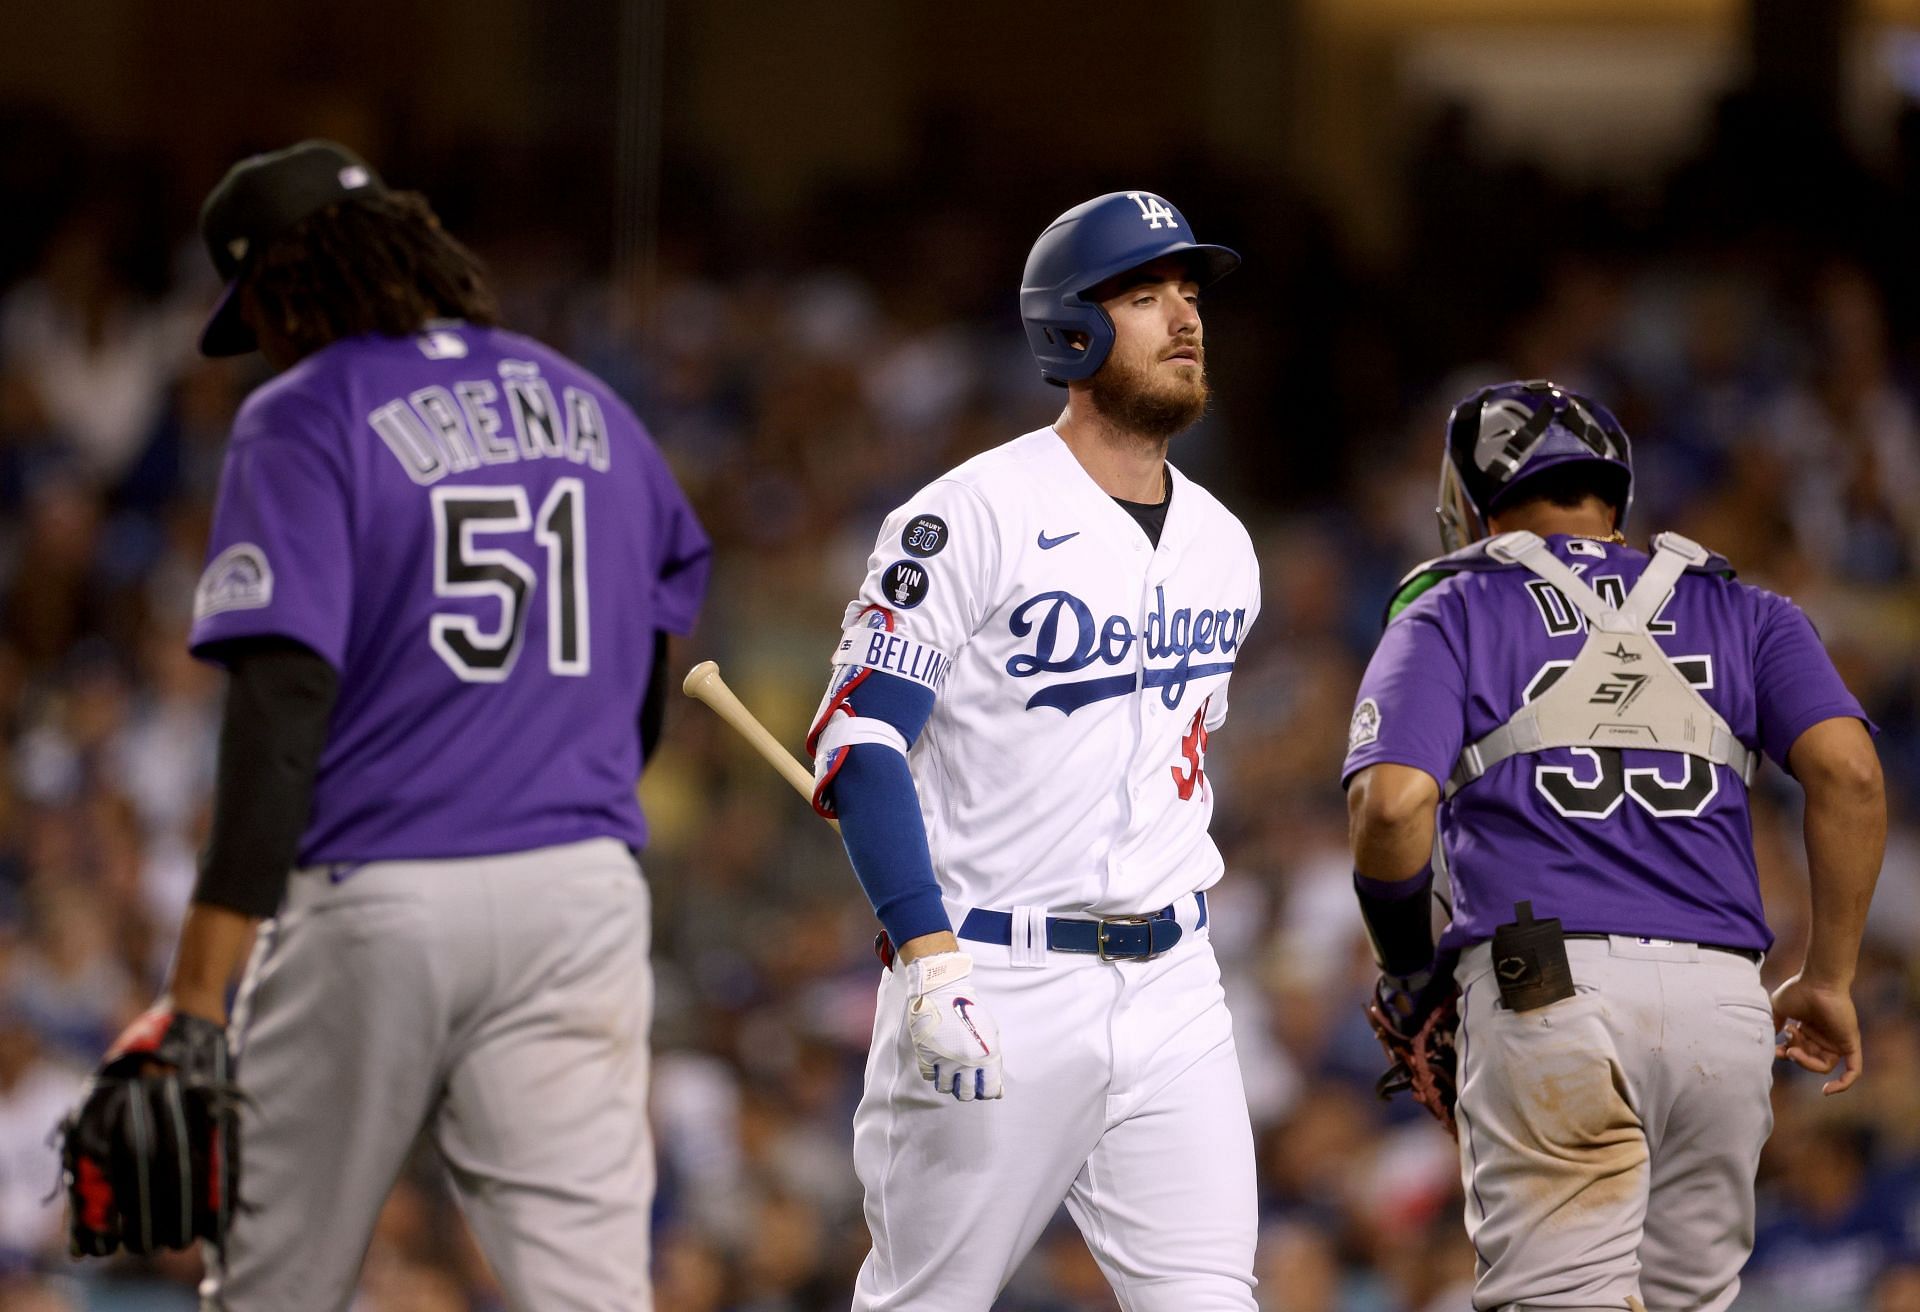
{"points": [[956, 1040]]}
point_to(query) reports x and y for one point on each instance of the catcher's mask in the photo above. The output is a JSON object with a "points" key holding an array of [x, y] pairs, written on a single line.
{"points": [[1504, 435]]}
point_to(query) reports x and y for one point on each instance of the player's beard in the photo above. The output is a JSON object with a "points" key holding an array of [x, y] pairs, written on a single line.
{"points": [[1148, 401]]}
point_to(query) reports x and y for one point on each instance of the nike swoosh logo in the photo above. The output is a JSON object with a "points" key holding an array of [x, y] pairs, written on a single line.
{"points": [[1048, 544], [964, 1005]]}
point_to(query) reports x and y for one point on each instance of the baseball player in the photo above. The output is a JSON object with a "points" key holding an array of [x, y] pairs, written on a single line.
{"points": [[1586, 718], [1014, 741], [442, 560]]}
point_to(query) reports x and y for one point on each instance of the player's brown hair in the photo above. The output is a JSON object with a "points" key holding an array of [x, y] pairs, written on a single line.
{"points": [[372, 264]]}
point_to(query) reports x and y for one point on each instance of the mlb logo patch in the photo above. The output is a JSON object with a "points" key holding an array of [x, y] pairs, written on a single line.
{"points": [[239, 578], [440, 345]]}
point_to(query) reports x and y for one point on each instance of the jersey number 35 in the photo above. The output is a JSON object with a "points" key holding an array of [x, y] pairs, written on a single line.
{"points": [[1612, 782]]}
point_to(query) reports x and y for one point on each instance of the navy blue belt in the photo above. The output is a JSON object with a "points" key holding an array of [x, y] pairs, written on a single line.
{"points": [[1111, 938]]}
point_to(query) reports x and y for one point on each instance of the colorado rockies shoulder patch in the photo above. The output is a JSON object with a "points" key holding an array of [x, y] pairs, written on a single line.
{"points": [[239, 578], [924, 536], [1366, 725], [904, 585]]}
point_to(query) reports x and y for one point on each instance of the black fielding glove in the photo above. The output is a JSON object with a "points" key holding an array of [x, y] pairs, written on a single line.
{"points": [[150, 1157]]}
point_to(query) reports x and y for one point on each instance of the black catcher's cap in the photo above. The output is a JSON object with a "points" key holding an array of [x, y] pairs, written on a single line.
{"points": [[260, 198]]}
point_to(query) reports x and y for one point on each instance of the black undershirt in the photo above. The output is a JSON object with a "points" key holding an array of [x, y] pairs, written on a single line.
{"points": [[653, 706], [280, 697], [279, 703], [1151, 518]]}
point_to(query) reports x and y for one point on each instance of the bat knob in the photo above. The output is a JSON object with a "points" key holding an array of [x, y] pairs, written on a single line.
{"points": [[698, 676]]}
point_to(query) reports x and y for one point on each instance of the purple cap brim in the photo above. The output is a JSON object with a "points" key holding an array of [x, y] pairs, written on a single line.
{"points": [[227, 332]]}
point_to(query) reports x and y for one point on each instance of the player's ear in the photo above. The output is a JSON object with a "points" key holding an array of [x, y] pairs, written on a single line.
{"points": [[1078, 341]]}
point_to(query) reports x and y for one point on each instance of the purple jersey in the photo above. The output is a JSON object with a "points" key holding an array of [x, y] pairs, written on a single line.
{"points": [[1609, 840], [481, 539]]}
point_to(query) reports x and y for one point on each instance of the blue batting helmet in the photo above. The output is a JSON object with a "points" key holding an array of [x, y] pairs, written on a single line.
{"points": [[1505, 435], [1083, 248]]}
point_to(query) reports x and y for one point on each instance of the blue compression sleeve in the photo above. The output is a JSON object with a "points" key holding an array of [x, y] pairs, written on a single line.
{"points": [[880, 814], [887, 841]]}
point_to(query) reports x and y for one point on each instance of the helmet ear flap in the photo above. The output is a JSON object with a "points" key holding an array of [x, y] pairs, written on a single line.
{"points": [[1072, 342]]}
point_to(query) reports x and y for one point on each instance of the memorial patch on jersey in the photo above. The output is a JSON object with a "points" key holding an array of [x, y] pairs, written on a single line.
{"points": [[1366, 725], [239, 578], [904, 584], [924, 536]]}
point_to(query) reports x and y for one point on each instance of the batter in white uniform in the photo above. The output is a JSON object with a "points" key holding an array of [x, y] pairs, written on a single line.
{"points": [[1015, 744]]}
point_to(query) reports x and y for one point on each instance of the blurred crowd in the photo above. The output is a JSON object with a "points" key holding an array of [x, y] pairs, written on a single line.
{"points": [[1765, 369]]}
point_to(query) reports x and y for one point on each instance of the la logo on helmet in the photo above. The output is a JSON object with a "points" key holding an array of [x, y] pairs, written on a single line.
{"points": [[1153, 209]]}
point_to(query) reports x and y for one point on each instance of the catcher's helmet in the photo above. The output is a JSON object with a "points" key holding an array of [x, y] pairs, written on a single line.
{"points": [[1083, 248], [1504, 435]]}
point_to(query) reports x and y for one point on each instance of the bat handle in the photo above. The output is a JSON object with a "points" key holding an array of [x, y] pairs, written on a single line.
{"points": [[703, 683]]}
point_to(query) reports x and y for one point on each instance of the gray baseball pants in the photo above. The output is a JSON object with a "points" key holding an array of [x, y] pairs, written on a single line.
{"points": [[501, 1005], [1608, 1142]]}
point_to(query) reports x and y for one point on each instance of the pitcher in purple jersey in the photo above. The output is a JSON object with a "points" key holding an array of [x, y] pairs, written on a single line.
{"points": [[444, 561], [1548, 763]]}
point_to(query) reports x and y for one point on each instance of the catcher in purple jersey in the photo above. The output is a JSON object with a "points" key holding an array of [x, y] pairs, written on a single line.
{"points": [[1549, 758], [443, 562]]}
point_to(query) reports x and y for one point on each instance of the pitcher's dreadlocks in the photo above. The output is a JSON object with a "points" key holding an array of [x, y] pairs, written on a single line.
{"points": [[374, 264]]}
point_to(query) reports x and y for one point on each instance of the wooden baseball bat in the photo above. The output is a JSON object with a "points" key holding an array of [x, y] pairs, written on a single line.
{"points": [[703, 683]]}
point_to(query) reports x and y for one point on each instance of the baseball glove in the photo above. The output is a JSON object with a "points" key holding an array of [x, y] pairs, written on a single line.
{"points": [[1417, 1028], [150, 1156]]}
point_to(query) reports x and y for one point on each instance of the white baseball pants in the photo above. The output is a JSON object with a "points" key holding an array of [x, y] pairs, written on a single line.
{"points": [[1123, 1098]]}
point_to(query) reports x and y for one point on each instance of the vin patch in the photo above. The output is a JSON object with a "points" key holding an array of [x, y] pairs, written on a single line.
{"points": [[904, 584]]}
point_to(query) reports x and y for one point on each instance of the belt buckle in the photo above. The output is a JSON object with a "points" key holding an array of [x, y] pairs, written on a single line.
{"points": [[1100, 935]]}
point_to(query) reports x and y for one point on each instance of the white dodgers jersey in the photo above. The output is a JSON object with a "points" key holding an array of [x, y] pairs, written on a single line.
{"points": [[1078, 671]]}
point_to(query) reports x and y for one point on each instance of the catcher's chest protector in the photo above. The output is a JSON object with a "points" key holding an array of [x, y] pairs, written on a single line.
{"points": [[1621, 690]]}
